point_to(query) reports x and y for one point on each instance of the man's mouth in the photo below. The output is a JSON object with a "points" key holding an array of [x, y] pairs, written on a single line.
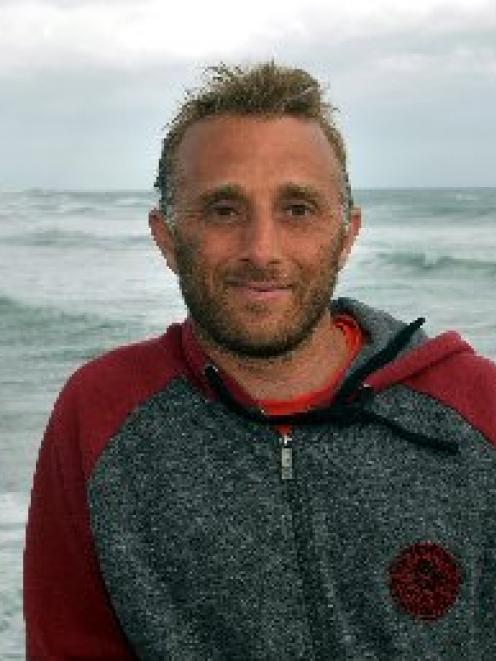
{"points": [[261, 291]]}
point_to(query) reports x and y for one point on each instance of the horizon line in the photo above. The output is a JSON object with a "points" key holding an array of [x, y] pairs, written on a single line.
{"points": [[152, 191]]}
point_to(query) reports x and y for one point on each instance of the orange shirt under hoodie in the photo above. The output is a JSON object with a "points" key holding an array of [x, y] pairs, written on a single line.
{"points": [[354, 341]]}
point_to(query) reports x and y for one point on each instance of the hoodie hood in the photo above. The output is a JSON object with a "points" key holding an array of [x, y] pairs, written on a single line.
{"points": [[418, 353], [394, 352]]}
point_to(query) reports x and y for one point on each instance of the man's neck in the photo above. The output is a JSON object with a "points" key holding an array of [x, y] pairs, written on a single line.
{"points": [[307, 368]]}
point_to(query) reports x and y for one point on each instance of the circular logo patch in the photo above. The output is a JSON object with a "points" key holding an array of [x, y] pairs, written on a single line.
{"points": [[424, 580]]}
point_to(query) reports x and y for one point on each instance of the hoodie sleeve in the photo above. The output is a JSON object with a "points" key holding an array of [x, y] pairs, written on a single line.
{"points": [[467, 383], [67, 610]]}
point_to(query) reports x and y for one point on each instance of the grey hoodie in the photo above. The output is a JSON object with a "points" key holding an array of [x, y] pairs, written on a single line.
{"points": [[163, 526]]}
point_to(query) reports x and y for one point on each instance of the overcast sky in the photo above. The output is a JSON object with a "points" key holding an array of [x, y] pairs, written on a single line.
{"points": [[87, 85]]}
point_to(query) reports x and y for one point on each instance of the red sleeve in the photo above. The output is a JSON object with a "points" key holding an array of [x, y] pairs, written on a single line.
{"points": [[67, 610], [467, 383]]}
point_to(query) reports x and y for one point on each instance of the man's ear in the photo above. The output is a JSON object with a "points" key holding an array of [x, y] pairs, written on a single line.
{"points": [[351, 233], [163, 237]]}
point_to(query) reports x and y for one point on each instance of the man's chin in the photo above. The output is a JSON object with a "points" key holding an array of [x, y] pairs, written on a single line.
{"points": [[261, 345], [270, 334], [262, 351]]}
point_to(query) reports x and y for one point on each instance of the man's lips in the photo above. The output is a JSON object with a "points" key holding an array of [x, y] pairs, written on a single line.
{"points": [[261, 290], [261, 286]]}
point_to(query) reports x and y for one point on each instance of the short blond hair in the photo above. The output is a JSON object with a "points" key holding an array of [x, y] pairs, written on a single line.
{"points": [[266, 90]]}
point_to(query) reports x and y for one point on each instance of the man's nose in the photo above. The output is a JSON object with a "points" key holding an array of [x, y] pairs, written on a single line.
{"points": [[262, 238]]}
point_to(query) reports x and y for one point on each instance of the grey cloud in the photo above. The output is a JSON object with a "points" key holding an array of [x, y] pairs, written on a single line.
{"points": [[417, 107], [72, 4]]}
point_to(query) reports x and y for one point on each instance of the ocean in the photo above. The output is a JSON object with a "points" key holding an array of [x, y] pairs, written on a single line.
{"points": [[80, 274]]}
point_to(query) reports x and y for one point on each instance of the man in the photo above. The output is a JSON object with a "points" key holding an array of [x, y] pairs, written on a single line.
{"points": [[282, 476]]}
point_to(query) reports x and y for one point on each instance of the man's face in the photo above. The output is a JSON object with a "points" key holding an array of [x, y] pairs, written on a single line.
{"points": [[259, 233]]}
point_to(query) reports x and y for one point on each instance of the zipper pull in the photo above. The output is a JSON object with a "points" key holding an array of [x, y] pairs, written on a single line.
{"points": [[286, 457]]}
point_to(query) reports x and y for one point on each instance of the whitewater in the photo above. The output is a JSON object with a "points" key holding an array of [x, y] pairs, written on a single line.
{"points": [[79, 274]]}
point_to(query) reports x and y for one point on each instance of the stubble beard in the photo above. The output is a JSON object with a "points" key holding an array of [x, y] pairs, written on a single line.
{"points": [[218, 325]]}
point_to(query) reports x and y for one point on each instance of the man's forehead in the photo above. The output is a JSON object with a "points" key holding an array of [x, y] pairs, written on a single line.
{"points": [[235, 128], [230, 144]]}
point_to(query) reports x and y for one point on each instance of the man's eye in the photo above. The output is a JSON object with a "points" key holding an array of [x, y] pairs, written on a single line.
{"points": [[226, 211], [298, 209]]}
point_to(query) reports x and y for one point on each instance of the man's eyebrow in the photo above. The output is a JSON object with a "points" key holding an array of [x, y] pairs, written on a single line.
{"points": [[301, 191], [223, 192]]}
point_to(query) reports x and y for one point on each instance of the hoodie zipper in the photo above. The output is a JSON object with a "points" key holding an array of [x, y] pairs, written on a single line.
{"points": [[322, 641], [286, 457]]}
